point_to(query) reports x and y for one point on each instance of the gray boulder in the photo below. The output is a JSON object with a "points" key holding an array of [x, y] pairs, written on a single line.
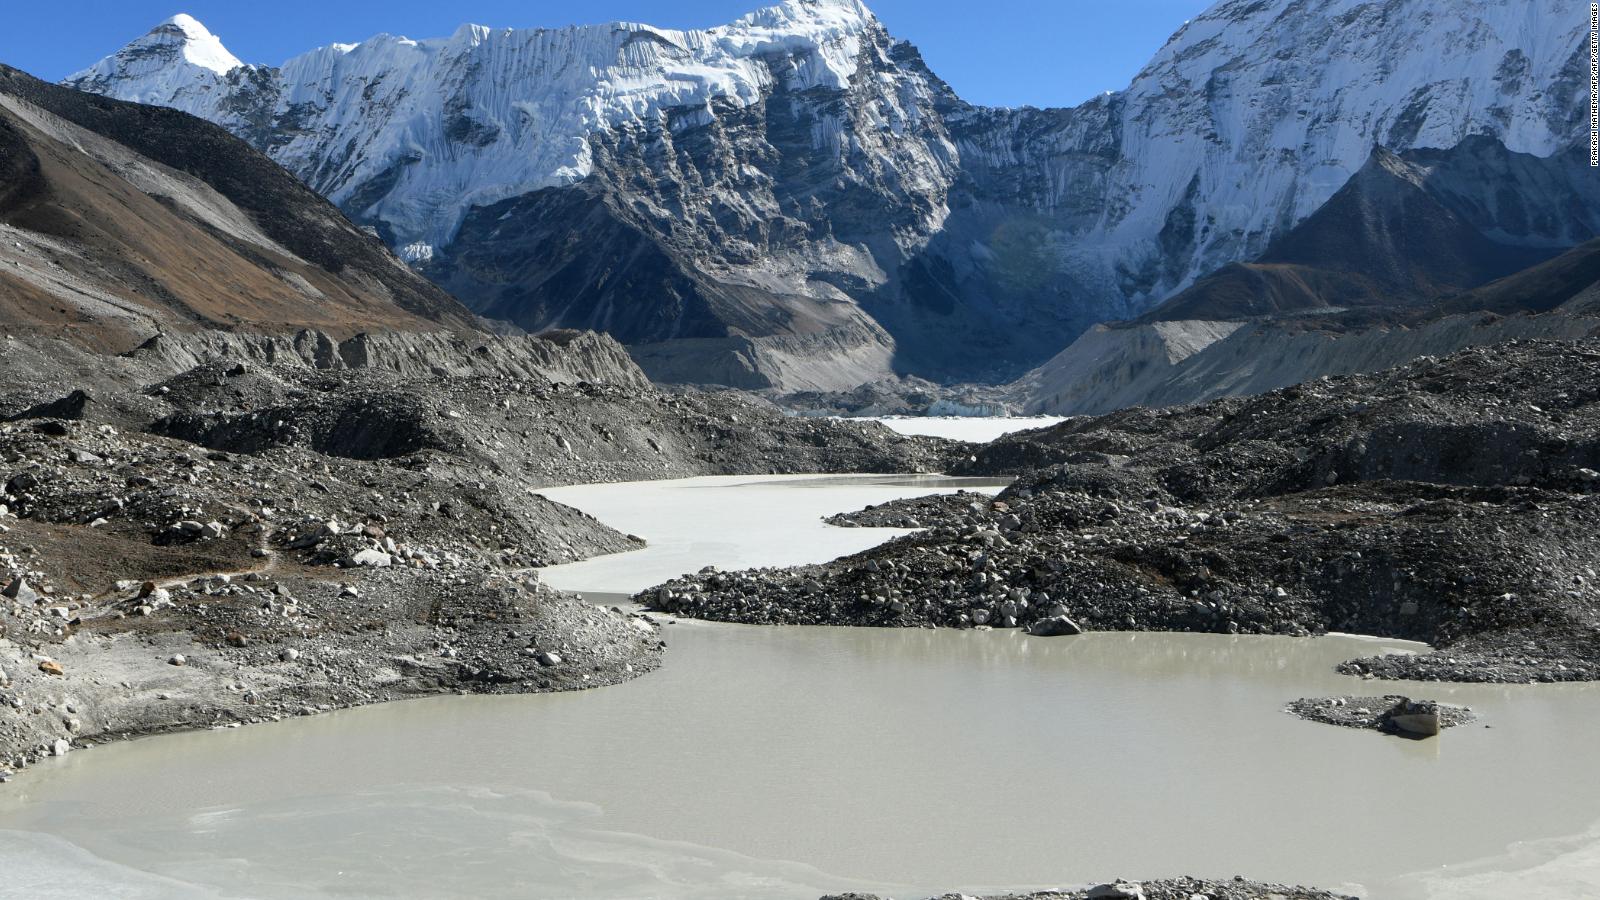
{"points": [[1116, 890], [372, 558], [1055, 626], [20, 591]]}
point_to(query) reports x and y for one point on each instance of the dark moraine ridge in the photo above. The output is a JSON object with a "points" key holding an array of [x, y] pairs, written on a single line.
{"points": [[1454, 501]]}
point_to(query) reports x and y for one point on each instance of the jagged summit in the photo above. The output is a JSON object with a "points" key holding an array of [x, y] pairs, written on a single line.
{"points": [[191, 41], [190, 26]]}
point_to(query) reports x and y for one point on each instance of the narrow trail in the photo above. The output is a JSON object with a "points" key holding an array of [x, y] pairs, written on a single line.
{"points": [[269, 563]]}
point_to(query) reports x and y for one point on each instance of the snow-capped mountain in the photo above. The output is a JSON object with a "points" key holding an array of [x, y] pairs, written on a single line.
{"points": [[176, 64], [491, 113], [795, 199]]}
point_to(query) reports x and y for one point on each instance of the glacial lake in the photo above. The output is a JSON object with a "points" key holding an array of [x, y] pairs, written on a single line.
{"points": [[790, 762], [980, 429]]}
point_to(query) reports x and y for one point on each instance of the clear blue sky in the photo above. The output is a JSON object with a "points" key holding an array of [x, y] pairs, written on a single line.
{"points": [[1001, 52]]}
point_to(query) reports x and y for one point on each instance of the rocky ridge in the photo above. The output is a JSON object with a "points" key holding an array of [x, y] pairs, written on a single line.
{"points": [[913, 512]]}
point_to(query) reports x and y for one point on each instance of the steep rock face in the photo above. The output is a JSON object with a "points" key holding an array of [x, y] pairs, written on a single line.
{"points": [[801, 175], [1256, 112]]}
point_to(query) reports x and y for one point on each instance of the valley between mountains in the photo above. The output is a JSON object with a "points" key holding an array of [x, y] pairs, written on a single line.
{"points": [[293, 353]]}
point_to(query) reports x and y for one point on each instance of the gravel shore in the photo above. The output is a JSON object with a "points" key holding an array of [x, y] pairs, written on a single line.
{"points": [[1160, 889]]}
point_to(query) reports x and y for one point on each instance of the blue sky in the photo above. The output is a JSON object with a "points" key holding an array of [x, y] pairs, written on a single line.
{"points": [[1002, 52]]}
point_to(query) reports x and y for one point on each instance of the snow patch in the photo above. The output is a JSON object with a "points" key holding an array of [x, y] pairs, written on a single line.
{"points": [[417, 253]]}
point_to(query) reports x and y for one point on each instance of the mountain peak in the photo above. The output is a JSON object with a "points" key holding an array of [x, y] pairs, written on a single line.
{"points": [[197, 44], [189, 25], [186, 22], [159, 58]]}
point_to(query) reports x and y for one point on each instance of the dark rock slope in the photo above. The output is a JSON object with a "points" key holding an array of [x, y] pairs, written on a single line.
{"points": [[1406, 231], [118, 219], [1454, 501], [1420, 253]]}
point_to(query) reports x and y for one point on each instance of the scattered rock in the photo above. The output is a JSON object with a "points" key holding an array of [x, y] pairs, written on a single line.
{"points": [[371, 558], [1054, 626], [19, 590], [1415, 717]]}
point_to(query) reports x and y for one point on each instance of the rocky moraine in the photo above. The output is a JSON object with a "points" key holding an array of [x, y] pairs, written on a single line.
{"points": [[1454, 501], [211, 530]]}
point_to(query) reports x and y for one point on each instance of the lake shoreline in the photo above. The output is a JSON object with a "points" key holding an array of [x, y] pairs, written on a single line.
{"points": [[688, 694], [121, 683], [175, 658], [624, 670]]}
